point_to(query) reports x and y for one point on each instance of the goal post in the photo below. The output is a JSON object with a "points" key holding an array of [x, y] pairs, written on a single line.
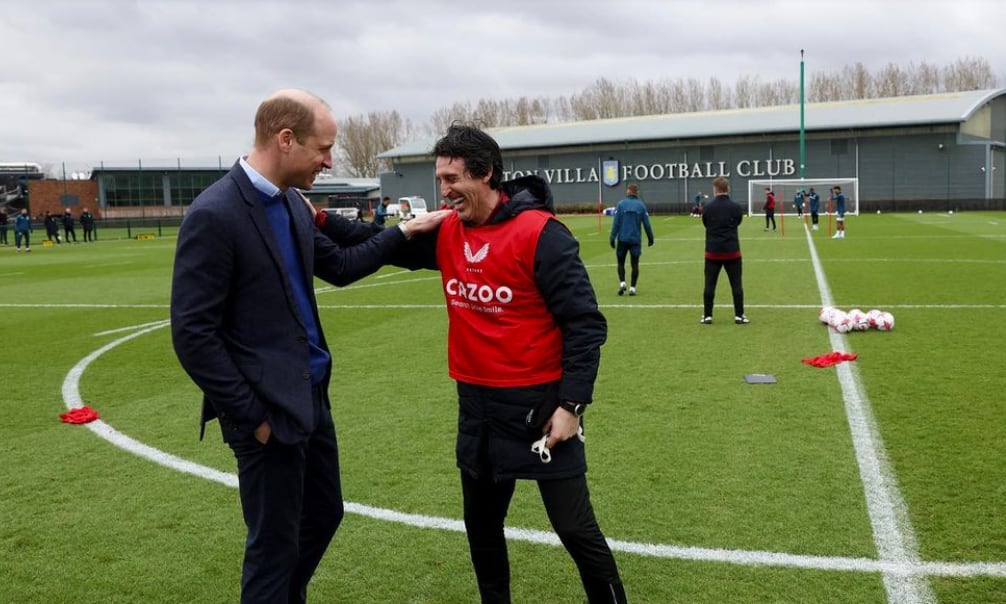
{"points": [[785, 195]]}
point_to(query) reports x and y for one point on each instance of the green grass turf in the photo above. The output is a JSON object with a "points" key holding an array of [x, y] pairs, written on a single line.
{"points": [[682, 452]]}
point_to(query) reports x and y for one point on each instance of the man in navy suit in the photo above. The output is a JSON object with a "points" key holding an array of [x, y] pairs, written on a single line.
{"points": [[245, 327]]}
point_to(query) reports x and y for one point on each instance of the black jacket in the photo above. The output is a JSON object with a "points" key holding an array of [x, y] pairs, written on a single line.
{"points": [[721, 218], [491, 425]]}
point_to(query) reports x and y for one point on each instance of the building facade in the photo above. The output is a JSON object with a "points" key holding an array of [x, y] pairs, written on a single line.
{"points": [[941, 151]]}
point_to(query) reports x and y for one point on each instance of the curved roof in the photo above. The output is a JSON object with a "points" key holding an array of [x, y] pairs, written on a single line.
{"points": [[949, 107]]}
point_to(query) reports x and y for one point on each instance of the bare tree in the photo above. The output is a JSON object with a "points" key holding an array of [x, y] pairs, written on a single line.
{"points": [[525, 111], [857, 82], [362, 138], [442, 118], [607, 99], [717, 97], [695, 95], [928, 79], [969, 74], [601, 100], [745, 92], [892, 81]]}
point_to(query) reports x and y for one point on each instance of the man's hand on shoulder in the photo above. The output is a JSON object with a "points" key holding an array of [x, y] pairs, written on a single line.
{"points": [[427, 223]]}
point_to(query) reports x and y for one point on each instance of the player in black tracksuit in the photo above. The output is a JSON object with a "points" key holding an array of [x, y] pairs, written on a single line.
{"points": [[723, 250]]}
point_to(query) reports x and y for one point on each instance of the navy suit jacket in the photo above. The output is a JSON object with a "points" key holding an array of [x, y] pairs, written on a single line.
{"points": [[235, 325]]}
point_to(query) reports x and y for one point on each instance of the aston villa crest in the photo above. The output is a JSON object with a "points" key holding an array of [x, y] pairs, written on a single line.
{"points": [[610, 170]]}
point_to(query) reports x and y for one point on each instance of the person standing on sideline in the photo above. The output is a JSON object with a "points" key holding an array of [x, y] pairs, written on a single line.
{"points": [[798, 203], [769, 208], [525, 357], [245, 327], [381, 212], [4, 223], [723, 250], [697, 204], [51, 227], [68, 230], [630, 218], [838, 198], [814, 205], [22, 230], [87, 223]]}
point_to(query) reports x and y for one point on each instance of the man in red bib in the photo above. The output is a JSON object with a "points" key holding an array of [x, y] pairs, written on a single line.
{"points": [[524, 343]]}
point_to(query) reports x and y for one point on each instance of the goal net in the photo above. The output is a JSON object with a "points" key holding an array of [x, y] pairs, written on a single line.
{"points": [[786, 195]]}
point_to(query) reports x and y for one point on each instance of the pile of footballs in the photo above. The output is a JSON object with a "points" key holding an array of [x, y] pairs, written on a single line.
{"points": [[855, 319]]}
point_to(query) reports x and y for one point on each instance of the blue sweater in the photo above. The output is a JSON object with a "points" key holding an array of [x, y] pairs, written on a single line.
{"points": [[279, 217]]}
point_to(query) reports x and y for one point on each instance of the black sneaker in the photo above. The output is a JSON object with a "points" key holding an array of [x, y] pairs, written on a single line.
{"points": [[742, 320], [621, 290], [706, 320]]}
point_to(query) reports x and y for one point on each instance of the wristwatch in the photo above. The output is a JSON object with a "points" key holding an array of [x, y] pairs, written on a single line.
{"points": [[576, 409]]}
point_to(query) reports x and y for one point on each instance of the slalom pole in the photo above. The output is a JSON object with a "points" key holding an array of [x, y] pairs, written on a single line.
{"points": [[600, 209], [829, 216], [782, 218]]}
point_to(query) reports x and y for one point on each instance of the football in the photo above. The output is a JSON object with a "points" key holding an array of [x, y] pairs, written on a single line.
{"points": [[841, 321], [825, 315], [873, 316], [885, 322], [860, 322]]}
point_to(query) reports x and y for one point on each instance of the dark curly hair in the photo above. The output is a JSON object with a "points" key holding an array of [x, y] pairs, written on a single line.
{"points": [[479, 151]]}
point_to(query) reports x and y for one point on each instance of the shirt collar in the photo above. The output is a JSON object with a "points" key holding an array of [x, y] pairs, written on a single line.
{"points": [[258, 181]]}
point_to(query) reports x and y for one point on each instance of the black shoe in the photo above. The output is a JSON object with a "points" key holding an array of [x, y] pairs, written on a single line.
{"points": [[706, 320], [621, 290], [742, 320]]}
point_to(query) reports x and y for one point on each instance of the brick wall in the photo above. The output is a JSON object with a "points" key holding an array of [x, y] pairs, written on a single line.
{"points": [[45, 195]]}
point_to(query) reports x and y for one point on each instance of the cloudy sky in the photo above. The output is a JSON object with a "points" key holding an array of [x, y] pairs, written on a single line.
{"points": [[116, 81]]}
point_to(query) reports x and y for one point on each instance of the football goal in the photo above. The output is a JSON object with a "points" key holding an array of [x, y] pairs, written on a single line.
{"points": [[786, 195]]}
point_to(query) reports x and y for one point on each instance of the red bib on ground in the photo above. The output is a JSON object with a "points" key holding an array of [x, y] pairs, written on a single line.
{"points": [[80, 415]]}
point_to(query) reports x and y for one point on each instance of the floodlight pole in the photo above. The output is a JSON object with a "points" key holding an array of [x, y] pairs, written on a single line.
{"points": [[803, 138]]}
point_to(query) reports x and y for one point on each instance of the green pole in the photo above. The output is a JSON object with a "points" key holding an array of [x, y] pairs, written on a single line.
{"points": [[803, 137]]}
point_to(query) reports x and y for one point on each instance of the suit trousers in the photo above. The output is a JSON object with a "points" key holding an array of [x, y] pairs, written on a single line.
{"points": [[291, 498], [567, 503]]}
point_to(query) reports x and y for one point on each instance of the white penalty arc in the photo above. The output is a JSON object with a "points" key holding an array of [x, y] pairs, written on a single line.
{"points": [[72, 399]]}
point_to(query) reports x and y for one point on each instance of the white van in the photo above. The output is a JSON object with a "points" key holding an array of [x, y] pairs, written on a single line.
{"points": [[410, 207]]}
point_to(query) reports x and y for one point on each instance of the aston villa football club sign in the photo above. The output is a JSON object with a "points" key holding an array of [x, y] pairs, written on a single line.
{"points": [[610, 170]]}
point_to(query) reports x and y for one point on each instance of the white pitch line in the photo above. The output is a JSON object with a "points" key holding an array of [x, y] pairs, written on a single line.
{"points": [[161, 323], [82, 305], [72, 398], [892, 529], [815, 305]]}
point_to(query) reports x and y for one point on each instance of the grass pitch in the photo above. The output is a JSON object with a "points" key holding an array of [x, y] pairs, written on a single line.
{"points": [[711, 489]]}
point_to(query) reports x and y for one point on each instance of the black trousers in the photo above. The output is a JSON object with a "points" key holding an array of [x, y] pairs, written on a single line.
{"points": [[68, 233], [633, 250], [733, 268], [291, 497], [88, 234], [567, 503], [3, 235], [770, 217]]}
